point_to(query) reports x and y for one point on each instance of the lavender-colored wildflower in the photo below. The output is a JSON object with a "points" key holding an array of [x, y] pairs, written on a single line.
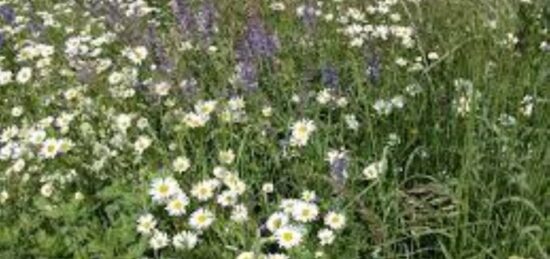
{"points": [[373, 71], [184, 16], [338, 171], [247, 74], [258, 42], [160, 57], [206, 21], [329, 77], [308, 13], [7, 13]]}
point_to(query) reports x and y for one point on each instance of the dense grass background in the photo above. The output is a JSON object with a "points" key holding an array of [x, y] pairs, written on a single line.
{"points": [[457, 187]]}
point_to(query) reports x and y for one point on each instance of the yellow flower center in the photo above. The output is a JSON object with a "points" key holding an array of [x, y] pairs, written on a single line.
{"points": [[287, 236], [164, 189]]}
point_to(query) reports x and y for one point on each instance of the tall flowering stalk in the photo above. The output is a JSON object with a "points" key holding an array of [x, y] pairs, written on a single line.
{"points": [[7, 13], [160, 57], [329, 77], [257, 43], [185, 19], [373, 71], [206, 21]]}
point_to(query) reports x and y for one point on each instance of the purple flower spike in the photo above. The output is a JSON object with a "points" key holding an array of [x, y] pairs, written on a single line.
{"points": [[185, 19], [257, 41], [206, 21], [329, 77], [7, 13]]}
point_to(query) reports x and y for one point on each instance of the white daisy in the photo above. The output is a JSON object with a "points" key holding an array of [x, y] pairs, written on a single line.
{"points": [[276, 220], [159, 240], [176, 206], [335, 220], [181, 164], [163, 188], [146, 224], [185, 240], [203, 190], [305, 212], [277, 256], [50, 148], [201, 219], [288, 237], [301, 131], [239, 213], [326, 236]]}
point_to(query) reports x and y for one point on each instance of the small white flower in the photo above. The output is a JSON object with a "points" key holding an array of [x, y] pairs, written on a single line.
{"points": [[24, 75], [163, 188], [324, 96], [276, 220], [176, 206], [4, 196], [326, 236], [267, 111], [181, 164], [146, 224], [351, 121], [159, 240], [6, 77], [335, 220], [301, 132], [203, 190], [267, 188], [17, 111], [239, 213], [201, 219], [47, 190], [142, 143], [226, 156], [50, 148], [227, 198], [185, 240], [288, 237], [162, 88], [433, 56], [277, 256], [305, 212], [246, 255]]}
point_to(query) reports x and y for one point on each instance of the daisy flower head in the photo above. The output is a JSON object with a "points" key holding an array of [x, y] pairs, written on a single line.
{"points": [[204, 190], [309, 196], [277, 256], [246, 255], [146, 224], [163, 189], [268, 188], [50, 148], [288, 236], [162, 88], [239, 213], [301, 132], [201, 219], [335, 220], [326, 236], [276, 220], [226, 156], [305, 212], [185, 240], [287, 205], [181, 164], [176, 206], [227, 198], [159, 240], [205, 107]]}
